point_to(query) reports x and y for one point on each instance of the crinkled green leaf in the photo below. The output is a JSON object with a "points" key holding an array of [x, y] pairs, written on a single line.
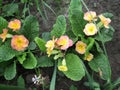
{"points": [[45, 61], [30, 61], [41, 44], [59, 27], [106, 34], [30, 28], [10, 71], [76, 17], [3, 24], [6, 52], [10, 9], [75, 67], [100, 62]]}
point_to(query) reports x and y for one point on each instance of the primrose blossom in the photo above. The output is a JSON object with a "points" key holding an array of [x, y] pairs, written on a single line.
{"points": [[64, 42]]}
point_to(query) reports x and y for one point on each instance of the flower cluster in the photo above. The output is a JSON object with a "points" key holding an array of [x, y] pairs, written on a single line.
{"points": [[91, 27], [18, 42], [62, 43]]}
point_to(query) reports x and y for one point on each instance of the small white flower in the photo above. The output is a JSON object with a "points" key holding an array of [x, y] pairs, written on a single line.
{"points": [[36, 79]]}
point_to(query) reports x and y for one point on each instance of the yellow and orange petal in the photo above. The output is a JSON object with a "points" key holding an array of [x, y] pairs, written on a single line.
{"points": [[15, 24], [105, 21], [89, 57], [64, 42], [90, 29], [19, 42], [81, 47], [89, 16], [4, 35], [62, 68]]}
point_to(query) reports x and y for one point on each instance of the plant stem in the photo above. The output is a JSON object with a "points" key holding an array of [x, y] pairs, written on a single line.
{"points": [[52, 84]]}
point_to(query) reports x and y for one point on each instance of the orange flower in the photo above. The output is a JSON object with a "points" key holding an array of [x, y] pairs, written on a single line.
{"points": [[64, 42], [15, 24], [80, 47], [4, 35], [19, 42], [105, 21], [89, 16]]}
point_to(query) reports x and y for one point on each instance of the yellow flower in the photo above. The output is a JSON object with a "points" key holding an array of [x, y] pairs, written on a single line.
{"points": [[4, 35], [89, 57], [64, 42], [15, 24], [62, 68], [50, 46], [105, 21], [19, 42], [90, 29], [49, 52], [89, 16], [80, 47]]}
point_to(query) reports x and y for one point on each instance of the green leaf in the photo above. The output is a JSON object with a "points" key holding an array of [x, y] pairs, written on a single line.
{"points": [[99, 49], [30, 28], [106, 34], [108, 15], [20, 81], [10, 9], [21, 58], [9, 87], [71, 36], [30, 61], [41, 44], [59, 27], [45, 61], [76, 17], [101, 62], [3, 24], [32, 46], [73, 88], [24, 1], [75, 67], [10, 71], [6, 52], [90, 45], [46, 36]]}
